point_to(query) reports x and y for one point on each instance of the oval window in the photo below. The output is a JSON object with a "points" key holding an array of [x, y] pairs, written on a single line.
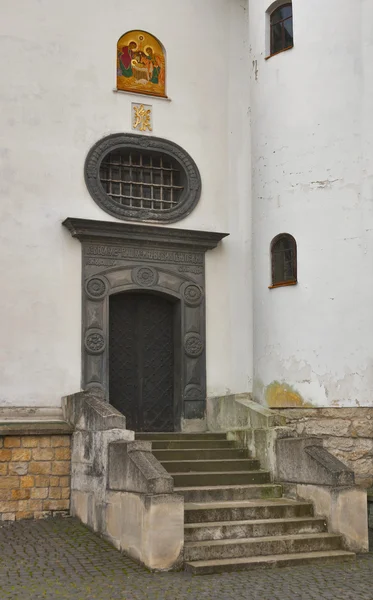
{"points": [[142, 178]]}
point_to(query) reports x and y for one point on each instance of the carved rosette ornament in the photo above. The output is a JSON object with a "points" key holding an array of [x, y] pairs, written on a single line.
{"points": [[94, 341], [96, 288], [193, 345], [193, 295], [145, 276]]}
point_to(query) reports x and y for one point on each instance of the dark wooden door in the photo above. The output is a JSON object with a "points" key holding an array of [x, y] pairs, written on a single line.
{"points": [[141, 360]]}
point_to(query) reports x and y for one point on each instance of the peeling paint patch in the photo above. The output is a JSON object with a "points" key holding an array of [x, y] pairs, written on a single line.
{"points": [[325, 183], [282, 395], [255, 69]]}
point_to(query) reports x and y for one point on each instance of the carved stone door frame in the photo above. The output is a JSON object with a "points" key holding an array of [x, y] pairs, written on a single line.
{"points": [[119, 257]]}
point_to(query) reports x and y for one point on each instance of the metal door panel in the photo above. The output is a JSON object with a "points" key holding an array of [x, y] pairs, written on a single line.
{"points": [[141, 356]]}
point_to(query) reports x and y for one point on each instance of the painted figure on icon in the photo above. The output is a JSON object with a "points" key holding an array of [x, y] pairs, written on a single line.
{"points": [[141, 65]]}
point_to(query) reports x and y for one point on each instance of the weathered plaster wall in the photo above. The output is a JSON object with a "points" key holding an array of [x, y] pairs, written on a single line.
{"points": [[56, 101], [312, 173]]}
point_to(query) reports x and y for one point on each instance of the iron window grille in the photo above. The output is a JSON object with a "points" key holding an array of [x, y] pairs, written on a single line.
{"points": [[284, 260], [141, 180], [281, 25]]}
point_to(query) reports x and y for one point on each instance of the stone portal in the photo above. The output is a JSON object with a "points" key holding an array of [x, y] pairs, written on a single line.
{"points": [[121, 257]]}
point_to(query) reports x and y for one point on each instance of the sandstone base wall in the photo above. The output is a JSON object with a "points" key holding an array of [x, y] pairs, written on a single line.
{"points": [[347, 434], [34, 476]]}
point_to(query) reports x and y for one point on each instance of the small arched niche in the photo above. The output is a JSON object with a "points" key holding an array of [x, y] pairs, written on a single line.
{"points": [[141, 64], [283, 260]]}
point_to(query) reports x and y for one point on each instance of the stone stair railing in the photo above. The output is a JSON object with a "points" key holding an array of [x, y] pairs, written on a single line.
{"points": [[308, 471], [305, 468], [144, 517], [118, 487]]}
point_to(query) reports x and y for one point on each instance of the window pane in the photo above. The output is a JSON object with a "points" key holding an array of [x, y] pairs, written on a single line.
{"points": [[278, 267], [115, 159], [146, 191], [146, 176], [277, 43], [283, 12], [157, 177], [126, 175], [288, 271], [115, 188], [166, 178], [136, 192], [288, 30], [284, 260], [284, 244], [288, 255]]}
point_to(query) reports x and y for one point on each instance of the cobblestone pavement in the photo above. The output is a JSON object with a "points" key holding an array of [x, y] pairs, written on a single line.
{"points": [[61, 559]]}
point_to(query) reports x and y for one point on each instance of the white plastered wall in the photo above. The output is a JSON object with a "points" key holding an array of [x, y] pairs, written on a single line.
{"points": [[312, 169], [56, 101]]}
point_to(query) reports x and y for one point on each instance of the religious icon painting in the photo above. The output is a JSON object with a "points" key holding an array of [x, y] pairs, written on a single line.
{"points": [[141, 64]]}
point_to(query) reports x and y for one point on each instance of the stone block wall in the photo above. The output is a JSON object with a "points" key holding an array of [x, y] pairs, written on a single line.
{"points": [[34, 476], [346, 432]]}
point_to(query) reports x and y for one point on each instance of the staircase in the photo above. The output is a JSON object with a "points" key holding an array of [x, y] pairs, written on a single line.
{"points": [[235, 518]]}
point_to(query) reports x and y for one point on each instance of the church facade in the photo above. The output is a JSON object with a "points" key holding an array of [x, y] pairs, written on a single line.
{"points": [[186, 199]]}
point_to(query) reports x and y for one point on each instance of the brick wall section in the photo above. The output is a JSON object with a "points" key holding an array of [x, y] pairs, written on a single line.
{"points": [[34, 476]]}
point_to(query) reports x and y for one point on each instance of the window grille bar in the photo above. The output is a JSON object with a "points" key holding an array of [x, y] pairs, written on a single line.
{"points": [[145, 199], [172, 186], [161, 188], [121, 173], [154, 185], [139, 167], [131, 190], [151, 182], [142, 179]]}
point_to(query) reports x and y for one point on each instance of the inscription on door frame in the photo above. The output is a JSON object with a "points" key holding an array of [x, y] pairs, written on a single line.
{"points": [[119, 257]]}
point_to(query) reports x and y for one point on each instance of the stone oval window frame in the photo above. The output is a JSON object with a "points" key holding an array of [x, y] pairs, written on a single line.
{"points": [[141, 143]]}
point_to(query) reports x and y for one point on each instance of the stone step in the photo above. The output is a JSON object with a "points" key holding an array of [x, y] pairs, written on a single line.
{"points": [[220, 478], [231, 493], [235, 464], [180, 436], [223, 530], [278, 508], [264, 546], [190, 444], [201, 454], [280, 560]]}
